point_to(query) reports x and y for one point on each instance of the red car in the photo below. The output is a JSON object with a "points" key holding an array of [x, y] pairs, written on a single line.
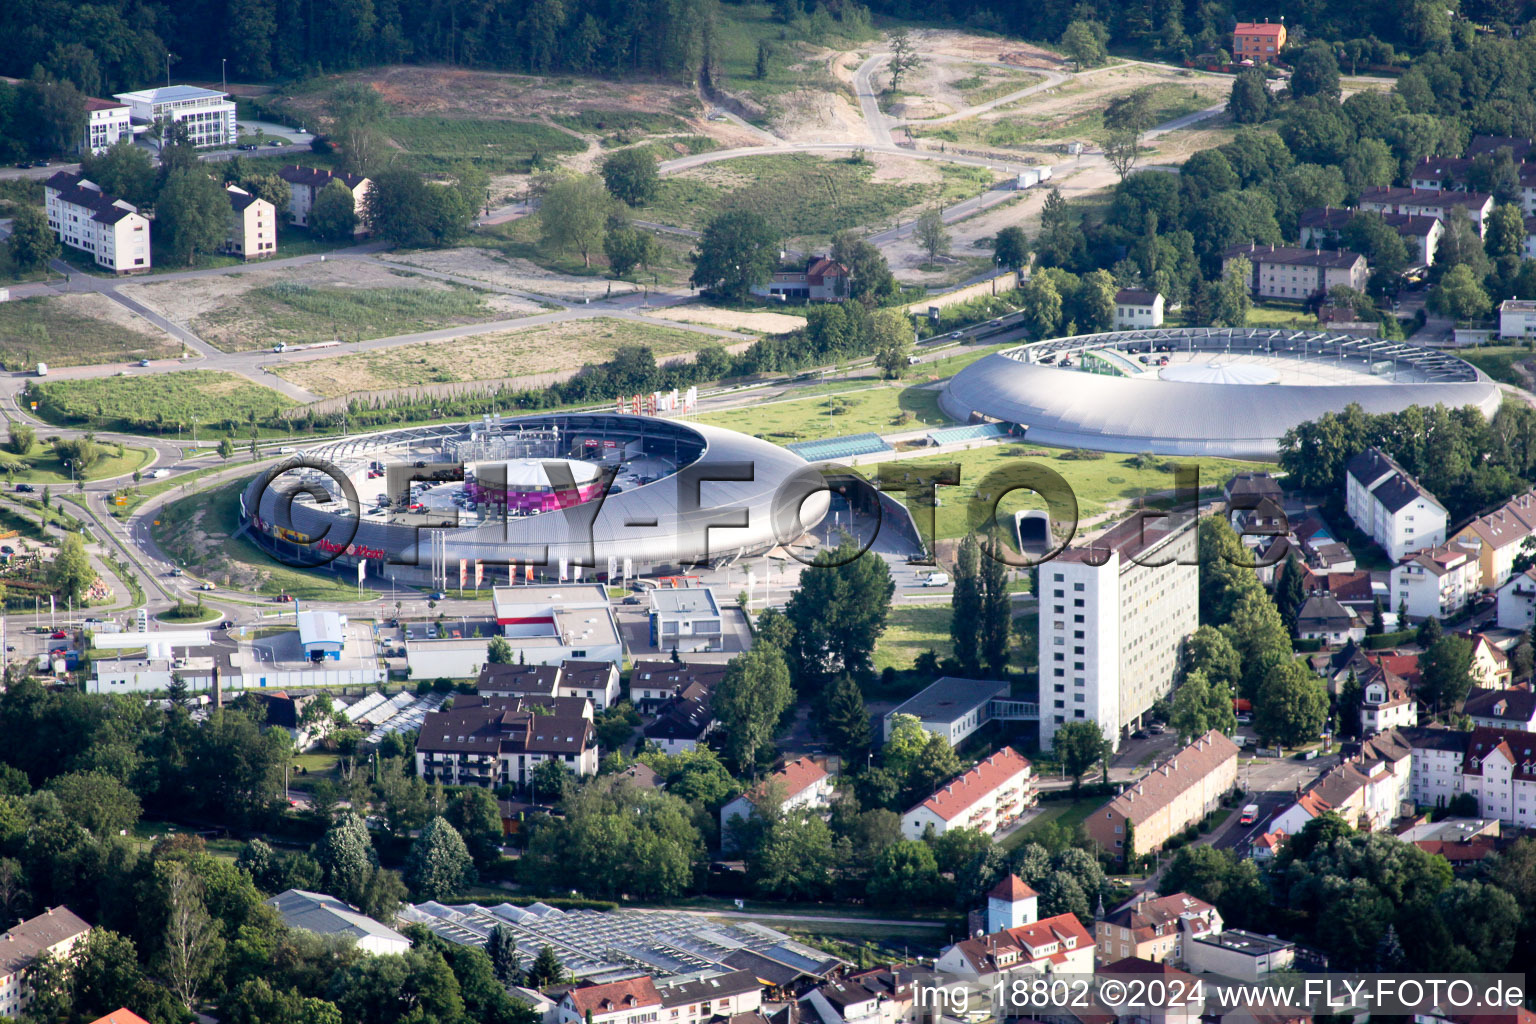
{"points": [[59, 634]]}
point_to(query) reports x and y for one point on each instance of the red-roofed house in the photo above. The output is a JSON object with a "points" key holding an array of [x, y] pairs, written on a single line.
{"points": [[819, 279], [803, 783], [1155, 927], [1259, 42], [122, 1016], [1059, 944], [1267, 845], [1011, 904], [1169, 798], [988, 797], [631, 1001]]}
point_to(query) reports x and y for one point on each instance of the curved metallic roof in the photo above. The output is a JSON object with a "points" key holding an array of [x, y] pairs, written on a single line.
{"points": [[721, 504], [1075, 409]]}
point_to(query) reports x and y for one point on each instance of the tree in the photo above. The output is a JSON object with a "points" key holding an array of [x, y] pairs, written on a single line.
{"points": [[32, 242], [932, 235], [226, 449], [439, 865], [498, 651], [892, 337], [1504, 233], [1200, 706], [501, 947], [965, 606], [1231, 301], [627, 247], [194, 212], [844, 718], [1080, 746], [96, 801], [996, 607], [764, 51], [1316, 73], [346, 856], [193, 946], [904, 57], [748, 702], [1459, 295], [1289, 593], [737, 252], [1291, 705], [906, 874], [334, 215], [869, 276], [475, 815], [1010, 248], [71, 573], [272, 188], [631, 177], [1249, 101], [51, 113], [20, 438], [546, 969], [838, 612], [357, 113], [572, 215], [1083, 41], [1042, 306], [407, 211], [1445, 672]]}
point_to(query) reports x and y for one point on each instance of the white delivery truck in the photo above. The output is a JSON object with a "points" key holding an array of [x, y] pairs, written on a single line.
{"points": [[937, 579], [42, 369]]}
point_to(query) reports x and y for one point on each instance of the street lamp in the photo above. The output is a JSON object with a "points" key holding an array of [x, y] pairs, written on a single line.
{"points": [[223, 78]]}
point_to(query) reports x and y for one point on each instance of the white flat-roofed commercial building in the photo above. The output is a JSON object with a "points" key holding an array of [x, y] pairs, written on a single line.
{"points": [[1517, 318], [1113, 616], [686, 619], [209, 115], [950, 707], [548, 624], [86, 218], [322, 633], [106, 121], [326, 915], [1235, 953]]}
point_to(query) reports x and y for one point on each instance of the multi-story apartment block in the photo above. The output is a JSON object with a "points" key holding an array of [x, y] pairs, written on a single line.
{"points": [[1435, 582], [1512, 708], [1428, 203], [1498, 537], [1155, 928], [499, 741], [1367, 791], [53, 933], [252, 230], [1497, 766], [1452, 174], [1288, 272], [1113, 615], [305, 183], [86, 218], [802, 784], [1517, 601], [1169, 798], [1390, 507], [987, 798], [1322, 226], [106, 122], [208, 115], [654, 683]]}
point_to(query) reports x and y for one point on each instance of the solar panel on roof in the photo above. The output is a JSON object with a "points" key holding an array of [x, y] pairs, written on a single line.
{"points": [[839, 447]]}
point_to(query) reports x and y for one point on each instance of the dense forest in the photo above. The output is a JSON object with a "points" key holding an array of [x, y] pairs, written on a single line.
{"points": [[123, 44]]}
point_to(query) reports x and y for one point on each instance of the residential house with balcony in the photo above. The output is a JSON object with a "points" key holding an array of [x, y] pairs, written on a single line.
{"points": [[84, 217], [630, 1001], [1499, 537], [989, 797], [697, 998], [1517, 601], [500, 741], [1436, 582], [1390, 506], [1368, 790], [1512, 708], [1297, 274], [52, 933]]}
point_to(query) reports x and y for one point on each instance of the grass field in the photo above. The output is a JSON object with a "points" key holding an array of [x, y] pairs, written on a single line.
{"points": [[291, 241], [1497, 361], [878, 409], [1095, 482], [45, 467], [987, 84], [75, 330], [913, 629], [10, 274], [519, 239], [798, 194], [295, 313], [198, 533], [1067, 813], [621, 127], [547, 348], [789, 65], [1017, 128], [435, 143], [157, 403]]}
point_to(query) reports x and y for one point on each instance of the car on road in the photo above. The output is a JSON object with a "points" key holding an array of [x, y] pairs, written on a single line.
{"points": [[143, 362], [1158, 728], [24, 488], [438, 595], [250, 146], [936, 579], [205, 586], [59, 634], [956, 334], [1250, 815], [174, 572], [286, 450], [1139, 734], [227, 624]]}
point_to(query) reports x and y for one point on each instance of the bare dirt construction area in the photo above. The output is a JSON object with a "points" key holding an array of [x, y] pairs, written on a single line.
{"points": [[943, 85], [531, 355], [343, 298], [976, 46], [509, 272], [734, 320], [807, 115]]}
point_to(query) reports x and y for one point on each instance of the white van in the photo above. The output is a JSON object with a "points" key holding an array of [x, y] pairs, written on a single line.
{"points": [[937, 579]]}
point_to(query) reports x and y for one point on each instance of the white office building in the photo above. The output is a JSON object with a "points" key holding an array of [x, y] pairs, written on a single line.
{"points": [[86, 218], [209, 115], [1113, 615], [1390, 507], [106, 122]]}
